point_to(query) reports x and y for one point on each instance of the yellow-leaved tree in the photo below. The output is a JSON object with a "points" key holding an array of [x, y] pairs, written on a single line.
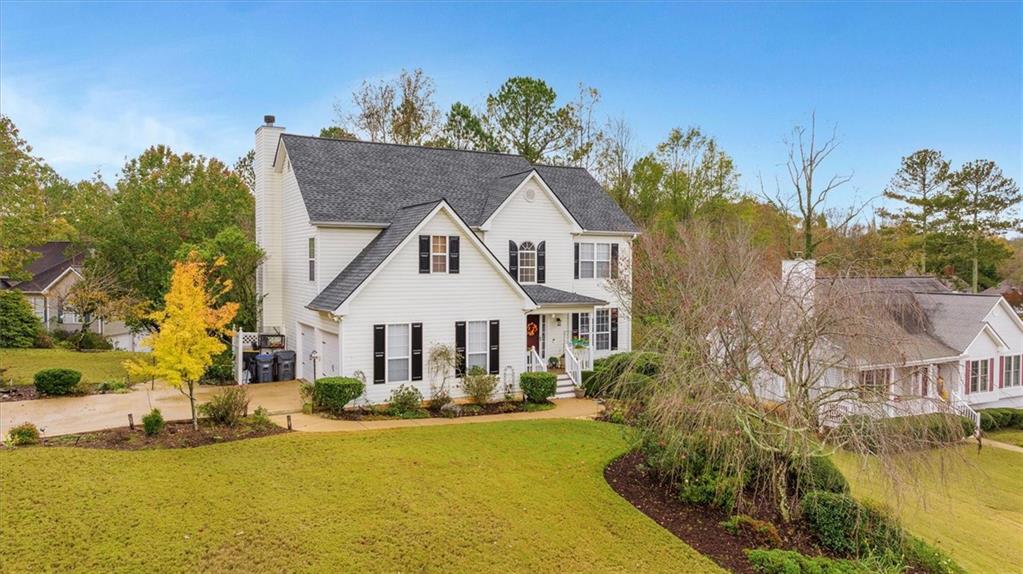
{"points": [[190, 328]]}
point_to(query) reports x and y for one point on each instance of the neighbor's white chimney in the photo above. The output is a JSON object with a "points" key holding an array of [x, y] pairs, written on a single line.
{"points": [[268, 191], [798, 277]]}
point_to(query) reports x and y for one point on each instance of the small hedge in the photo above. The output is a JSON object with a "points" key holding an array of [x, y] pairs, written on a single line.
{"points": [[538, 386], [23, 434], [819, 473], [928, 558], [153, 423], [918, 431], [849, 528], [1001, 418], [624, 375], [57, 382], [333, 393], [789, 562], [763, 533], [227, 407]]}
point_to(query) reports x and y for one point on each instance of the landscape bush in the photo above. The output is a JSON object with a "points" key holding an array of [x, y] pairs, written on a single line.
{"points": [[928, 558], [261, 417], [818, 473], [479, 385], [19, 326], [849, 528], [910, 432], [220, 372], [227, 408], [1001, 418], [624, 375], [406, 402], [57, 382], [791, 562], [763, 533], [23, 434], [332, 394], [153, 423], [81, 340], [538, 386]]}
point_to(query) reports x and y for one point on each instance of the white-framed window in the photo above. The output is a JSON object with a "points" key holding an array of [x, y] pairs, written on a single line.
{"points": [[584, 327], [594, 260], [527, 262], [312, 259], [980, 376], [439, 254], [477, 345], [921, 381], [399, 352], [602, 329], [1011, 374], [875, 382]]}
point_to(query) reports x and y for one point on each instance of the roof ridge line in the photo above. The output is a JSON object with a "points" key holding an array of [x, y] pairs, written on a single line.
{"points": [[414, 146]]}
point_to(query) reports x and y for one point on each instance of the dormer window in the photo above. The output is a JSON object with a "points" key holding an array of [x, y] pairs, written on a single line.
{"points": [[527, 262]]}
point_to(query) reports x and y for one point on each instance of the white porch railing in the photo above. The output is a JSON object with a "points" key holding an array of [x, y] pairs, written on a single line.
{"points": [[534, 362], [963, 409], [573, 368]]}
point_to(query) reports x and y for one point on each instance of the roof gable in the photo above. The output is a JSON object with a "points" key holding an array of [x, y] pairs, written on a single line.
{"points": [[530, 177]]}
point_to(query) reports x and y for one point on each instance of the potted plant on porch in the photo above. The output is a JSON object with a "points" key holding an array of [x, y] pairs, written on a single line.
{"points": [[580, 344]]}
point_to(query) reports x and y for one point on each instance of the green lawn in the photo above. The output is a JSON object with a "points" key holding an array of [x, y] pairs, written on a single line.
{"points": [[95, 366], [975, 514], [499, 497], [1011, 436]]}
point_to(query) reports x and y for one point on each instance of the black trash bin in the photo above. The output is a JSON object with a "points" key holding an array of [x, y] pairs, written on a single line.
{"points": [[264, 368], [285, 365]]}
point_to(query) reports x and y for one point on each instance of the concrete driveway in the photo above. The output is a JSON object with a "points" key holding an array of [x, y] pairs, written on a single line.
{"points": [[68, 415]]}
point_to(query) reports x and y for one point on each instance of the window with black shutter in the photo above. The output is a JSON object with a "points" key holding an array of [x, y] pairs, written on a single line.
{"points": [[575, 325], [453, 254], [614, 260], [513, 259], [614, 328], [495, 347], [460, 348], [424, 253], [576, 260], [417, 351], [379, 357], [541, 262]]}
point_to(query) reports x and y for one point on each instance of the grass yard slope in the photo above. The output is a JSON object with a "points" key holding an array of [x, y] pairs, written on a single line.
{"points": [[973, 509], [502, 497], [95, 366]]}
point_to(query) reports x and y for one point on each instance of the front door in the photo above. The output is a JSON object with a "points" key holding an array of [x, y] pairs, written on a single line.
{"points": [[533, 332]]}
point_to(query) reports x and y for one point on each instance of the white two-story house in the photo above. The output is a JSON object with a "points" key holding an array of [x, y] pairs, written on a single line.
{"points": [[377, 252]]}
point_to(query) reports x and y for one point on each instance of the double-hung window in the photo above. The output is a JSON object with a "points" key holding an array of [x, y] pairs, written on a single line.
{"points": [[594, 260], [439, 254], [874, 383], [602, 329], [980, 376], [399, 352], [476, 348], [527, 262], [312, 259], [1011, 372]]}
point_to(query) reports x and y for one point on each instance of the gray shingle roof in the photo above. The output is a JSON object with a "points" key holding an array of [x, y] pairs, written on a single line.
{"points": [[543, 294], [54, 258], [402, 223], [352, 181], [910, 283], [956, 318]]}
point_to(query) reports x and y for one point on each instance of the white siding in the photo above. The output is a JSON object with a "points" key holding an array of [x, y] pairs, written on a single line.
{"points": [[268, 225], [985, 347], [602, 289], [400, 294]]}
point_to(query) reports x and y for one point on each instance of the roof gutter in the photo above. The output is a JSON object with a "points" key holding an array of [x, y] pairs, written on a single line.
{"points": [[350, 224]]}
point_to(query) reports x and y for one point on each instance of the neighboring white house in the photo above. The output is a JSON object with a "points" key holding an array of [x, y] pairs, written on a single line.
{"points": [[52, 273], [376, 252], [957, 348]]}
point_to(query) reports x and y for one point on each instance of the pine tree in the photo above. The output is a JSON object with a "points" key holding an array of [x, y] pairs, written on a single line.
{"points": [[921, 182]]}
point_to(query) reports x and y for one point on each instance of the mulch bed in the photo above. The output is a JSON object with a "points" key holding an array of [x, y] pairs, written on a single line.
{"points": [[174, 435], [697, 526], [19, 393], [498, 408]]}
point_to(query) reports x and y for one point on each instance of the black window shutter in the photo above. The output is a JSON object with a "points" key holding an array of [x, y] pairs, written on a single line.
{"points": [[513, 259], [614, 329], [614, 260], [460, 348], [495, 347], [541, 262], [453, 254], [417, 351], [424, 253], [575, 325], [576, 260], [379, 360]]}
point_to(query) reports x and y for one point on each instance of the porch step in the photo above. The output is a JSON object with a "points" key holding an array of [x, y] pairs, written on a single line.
{"points": [[565, 388]]}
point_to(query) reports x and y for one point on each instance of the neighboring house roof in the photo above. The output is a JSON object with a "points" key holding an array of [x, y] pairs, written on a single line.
{"points": [[353, 181], [53, 261], [956, 318], [910, 283], [545, 295]]}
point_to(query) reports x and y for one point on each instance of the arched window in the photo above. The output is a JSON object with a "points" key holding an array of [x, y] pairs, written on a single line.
{"points": [[527, 262]]}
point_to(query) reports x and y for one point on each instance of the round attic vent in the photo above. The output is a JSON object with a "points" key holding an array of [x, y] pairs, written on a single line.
{"points": [[530, 194]]}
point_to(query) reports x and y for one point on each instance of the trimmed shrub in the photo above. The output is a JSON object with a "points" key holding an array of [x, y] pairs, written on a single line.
{"points": [[153, 423], [57, 382], [818, 474], [790, 562], [919, 431], [763, 533], [1001, 418], [538, 386], [928, 558], [19, 326], [479, 385], [227, 407], [81, 340], [261, 417], [709, 488], [406, 402], [626, 375], [849, 528], [23, 434], [332, 394]]}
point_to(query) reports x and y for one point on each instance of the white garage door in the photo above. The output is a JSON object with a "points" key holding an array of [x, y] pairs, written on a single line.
{"points": [[307, 343], [329, 352]]}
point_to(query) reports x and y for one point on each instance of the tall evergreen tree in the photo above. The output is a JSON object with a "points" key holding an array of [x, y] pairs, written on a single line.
{"points": [[921, 183]]}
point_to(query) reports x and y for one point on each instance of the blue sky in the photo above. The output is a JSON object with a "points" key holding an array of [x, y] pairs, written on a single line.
{"points": [[92, 84]]}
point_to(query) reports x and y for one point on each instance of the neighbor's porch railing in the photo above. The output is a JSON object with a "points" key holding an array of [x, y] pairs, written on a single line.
{"points": [[963, 409], [573, 368], [534, 362]]}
